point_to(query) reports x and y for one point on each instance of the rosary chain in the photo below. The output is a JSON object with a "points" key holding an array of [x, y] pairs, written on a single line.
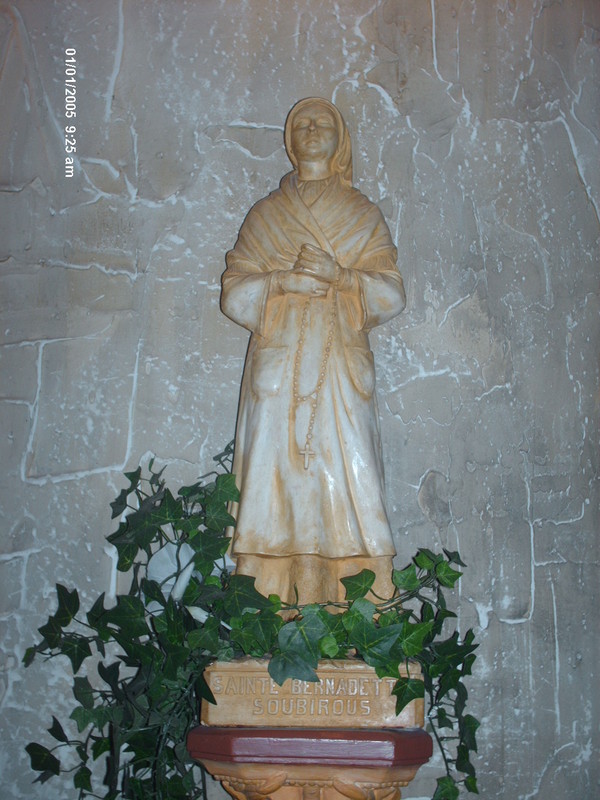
{"points": [[314, 395]]}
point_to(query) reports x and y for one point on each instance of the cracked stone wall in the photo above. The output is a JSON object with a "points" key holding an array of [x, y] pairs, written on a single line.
{"points": [[475, 126]]}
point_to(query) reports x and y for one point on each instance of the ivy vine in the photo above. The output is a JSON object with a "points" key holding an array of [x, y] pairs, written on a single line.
{"points": [[138, 663]]}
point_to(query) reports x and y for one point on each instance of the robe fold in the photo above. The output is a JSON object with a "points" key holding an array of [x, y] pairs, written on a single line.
{"points": [[334, 508]]}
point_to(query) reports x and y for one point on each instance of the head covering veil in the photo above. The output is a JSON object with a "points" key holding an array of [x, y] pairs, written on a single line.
{"points": [[342, 160]]}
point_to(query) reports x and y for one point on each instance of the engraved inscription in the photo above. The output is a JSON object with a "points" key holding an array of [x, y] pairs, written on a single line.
{"points": [[331, 697], [347, 693]]}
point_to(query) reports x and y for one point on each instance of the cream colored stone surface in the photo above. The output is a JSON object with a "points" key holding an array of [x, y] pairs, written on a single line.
{"points": [[475, 130], [301, 782], [348, 694], [313, 271]]}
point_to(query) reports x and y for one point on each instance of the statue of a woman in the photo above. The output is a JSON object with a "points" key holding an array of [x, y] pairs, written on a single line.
{"points": [[313, 270]]}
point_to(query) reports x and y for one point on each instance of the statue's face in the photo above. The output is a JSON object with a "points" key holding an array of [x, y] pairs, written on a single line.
{"points": [[314, 135]]}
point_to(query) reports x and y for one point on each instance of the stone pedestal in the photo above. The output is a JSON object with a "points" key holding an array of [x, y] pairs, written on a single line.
{"points": [[311, 763], [333, 739]]}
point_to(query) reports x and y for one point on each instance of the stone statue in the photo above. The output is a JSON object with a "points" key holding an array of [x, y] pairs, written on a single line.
{"points": [[312, 271]]}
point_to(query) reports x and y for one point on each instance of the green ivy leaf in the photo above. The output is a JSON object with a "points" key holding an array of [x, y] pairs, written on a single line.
{"points": [[262, 628], [328, 646], [127, 553], [453, 557], [56, 731], [289, 664], [244, 640], [176, 789], [441, 616], [169, 625], [82, 779], [81, 751], [136, 654], [241, 596], [448, 647], [469, 640], [129, 616], [152, 592], [203, 689], [412, 637], [446, 789], [406, 690], [205, 638], [52, 632], [43, 777], [460, 700], [136, 789], [100, 747], [374, 644], [449, 680], [95, 614], [226, 490], [202, 593], [209, 547], [142, 526], [446, 575], [189, 782], [365, 608], [392, 617], [406, 579], [467, 728], [451, 654], [194, 493], [83, 692], [275, 603], [335, 625], [192, 525], [471, 784], [110, 676], [68, 605], [120, 504], [443, 720], [98, 716], [440, 599], [176, 657], [217, 516], [82, 716], [77, 649], [426, 560], [361, 611], [300, 637], [427, 612], [142, 744], [358, 585], [42, 759], [468, 664], [30, 654], [463, 764]]}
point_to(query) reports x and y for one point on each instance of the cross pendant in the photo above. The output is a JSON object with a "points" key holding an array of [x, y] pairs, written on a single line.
{"points": [[307, 453]]}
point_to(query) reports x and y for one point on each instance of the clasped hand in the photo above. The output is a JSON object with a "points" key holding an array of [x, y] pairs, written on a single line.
{"points": [[312, 274]]}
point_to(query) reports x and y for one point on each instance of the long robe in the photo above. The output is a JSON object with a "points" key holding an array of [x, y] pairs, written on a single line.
{"points": [[319, 516]]}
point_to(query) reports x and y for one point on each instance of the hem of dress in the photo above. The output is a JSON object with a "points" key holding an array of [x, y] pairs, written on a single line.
{"points": [[312, 578]]}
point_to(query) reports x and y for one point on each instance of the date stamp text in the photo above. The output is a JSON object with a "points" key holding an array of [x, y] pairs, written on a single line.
{"points": [[70, 109]]}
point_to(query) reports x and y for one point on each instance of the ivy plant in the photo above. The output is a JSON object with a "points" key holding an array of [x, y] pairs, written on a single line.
{"points": [[138, 662]]}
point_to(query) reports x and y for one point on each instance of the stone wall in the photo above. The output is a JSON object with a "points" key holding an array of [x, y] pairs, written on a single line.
{"points": [[475, 129]]}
